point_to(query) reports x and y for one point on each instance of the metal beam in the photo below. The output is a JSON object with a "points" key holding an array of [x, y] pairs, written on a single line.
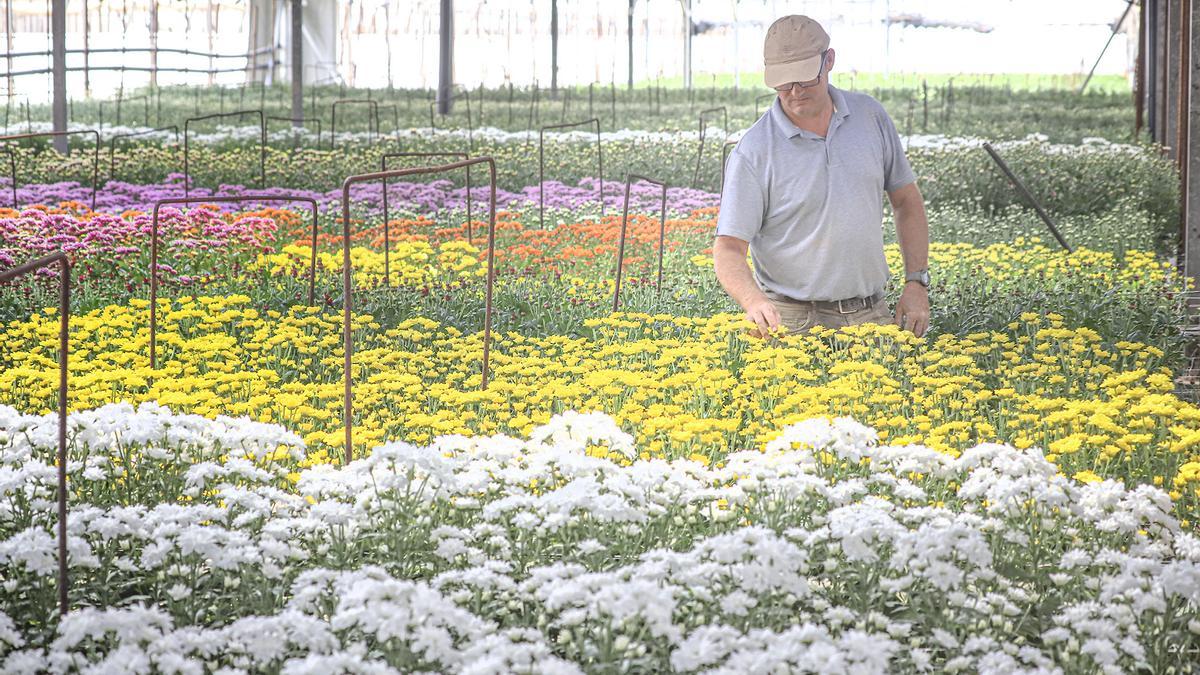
{"points": [[1150, 35], [1160, 71], [446, 57], [58, 26], [687, 44], [1191, 176], [154, 43], [298, 62], [553, 48], [632, 3], [1171, 49]]}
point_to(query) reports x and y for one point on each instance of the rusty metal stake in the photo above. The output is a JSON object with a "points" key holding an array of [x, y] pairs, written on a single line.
{"points": [[703, 129], [112, 144], [12, 166], [542, 165], [383, 167], [64, 319], [55, 134], [1012, 177], [371, 103], [725, 150], [262, 144], [347, 280], [239, 199], [662, 234], [759, 99]]}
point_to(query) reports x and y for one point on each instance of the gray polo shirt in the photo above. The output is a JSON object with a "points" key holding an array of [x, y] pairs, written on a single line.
{"points": [[811, 206]]}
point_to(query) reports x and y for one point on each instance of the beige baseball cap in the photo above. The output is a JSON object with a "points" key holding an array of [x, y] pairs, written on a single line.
{"points": [[792, 50]]}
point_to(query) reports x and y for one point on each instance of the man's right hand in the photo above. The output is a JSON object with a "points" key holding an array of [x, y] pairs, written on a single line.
{"points": [[762, 313], [729, 262]]}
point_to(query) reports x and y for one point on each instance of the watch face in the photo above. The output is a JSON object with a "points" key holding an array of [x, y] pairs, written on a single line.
{"points": [[921, 277]]}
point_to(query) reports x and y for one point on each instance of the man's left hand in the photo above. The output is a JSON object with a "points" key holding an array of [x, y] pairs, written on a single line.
{"points": [[912, 310]]}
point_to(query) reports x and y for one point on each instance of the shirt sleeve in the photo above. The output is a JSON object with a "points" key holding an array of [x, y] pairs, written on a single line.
{"points": [[896, 171], [743, 201]]}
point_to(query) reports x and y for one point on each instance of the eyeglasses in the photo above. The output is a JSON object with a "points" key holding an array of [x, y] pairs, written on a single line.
{"points": [[805, 85]]}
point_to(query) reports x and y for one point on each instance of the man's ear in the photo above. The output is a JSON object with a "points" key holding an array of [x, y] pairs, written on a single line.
{"points": [[830, 57]]}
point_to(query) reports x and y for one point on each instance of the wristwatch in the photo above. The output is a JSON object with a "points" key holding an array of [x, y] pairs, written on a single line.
{"points": [[920, 276]]}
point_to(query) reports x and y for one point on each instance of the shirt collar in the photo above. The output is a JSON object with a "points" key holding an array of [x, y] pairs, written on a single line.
{"points": [[790, 130]]}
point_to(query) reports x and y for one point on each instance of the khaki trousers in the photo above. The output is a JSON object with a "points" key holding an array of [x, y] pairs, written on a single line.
{"points": [[798, 316]]}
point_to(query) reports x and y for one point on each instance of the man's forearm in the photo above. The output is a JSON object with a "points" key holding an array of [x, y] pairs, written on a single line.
{"points": [[912, 233], [736, 278]]}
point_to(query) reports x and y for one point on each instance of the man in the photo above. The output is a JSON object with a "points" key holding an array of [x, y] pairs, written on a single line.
{"points": [[803, 192]]}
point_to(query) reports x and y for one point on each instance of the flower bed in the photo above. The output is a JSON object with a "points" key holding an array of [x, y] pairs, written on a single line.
{"points": [[823, 551], [690, 386]]}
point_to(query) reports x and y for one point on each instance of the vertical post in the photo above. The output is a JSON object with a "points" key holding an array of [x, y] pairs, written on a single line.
{"points": [[687, 44], [1150, 36], [153, 43], [1183, 100], [87, 29], [1139, 75], [553, 48], [59, 28], [297, 62], [446, 56], [8, 33], [1171, 49], [632, 3], [210, 21], [1191, 177], [1160, 71], [737, 71]]}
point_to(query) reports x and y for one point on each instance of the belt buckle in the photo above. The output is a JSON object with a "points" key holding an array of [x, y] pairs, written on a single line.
{"points": [[841, 310]]}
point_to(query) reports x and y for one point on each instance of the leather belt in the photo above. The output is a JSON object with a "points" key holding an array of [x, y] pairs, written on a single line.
{"points": [[846, 306]]}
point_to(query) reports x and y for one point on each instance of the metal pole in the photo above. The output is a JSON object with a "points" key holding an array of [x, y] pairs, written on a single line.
{"points": [[1028, 195], [297, 61], [630, 33], [553, 48], [154, 43], [687, 44], [1139, 79], [59, 29], [8, 31], [1150, 35], [87, 29], [1191, 178], [446, 57], [1116, 27]]}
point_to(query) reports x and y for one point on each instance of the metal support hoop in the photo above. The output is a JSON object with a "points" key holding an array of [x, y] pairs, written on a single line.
{"points": [[55, 134], [347, 281], [239, 199], [662, 234], [383, 167], [112, 144], [703, 129], [542, 165], [262, 145], [371, 103], [64, 319]]}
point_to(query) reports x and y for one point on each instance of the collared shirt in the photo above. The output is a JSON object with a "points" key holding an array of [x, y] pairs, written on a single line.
{"points": [[811, 206]]}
